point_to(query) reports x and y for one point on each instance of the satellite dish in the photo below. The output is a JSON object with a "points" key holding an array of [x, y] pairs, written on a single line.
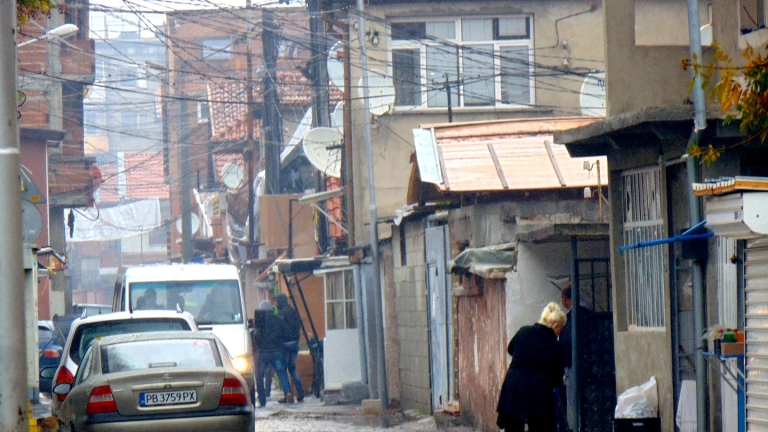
{"points": [[195, 223], [592, 95], [322, 146], [232, 175], [381, 92], [31, 221], [337, 117], [336, 65]]}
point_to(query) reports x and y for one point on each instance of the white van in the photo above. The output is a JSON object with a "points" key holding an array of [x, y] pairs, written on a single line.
{"points": [[210, 292]]}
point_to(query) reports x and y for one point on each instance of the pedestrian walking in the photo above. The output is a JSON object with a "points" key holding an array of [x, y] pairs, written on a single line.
{"points": [[269, 335], [534, 372], [293, 324]]}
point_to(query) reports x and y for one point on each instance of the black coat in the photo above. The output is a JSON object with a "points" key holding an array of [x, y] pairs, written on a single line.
{"points": [[290, 316], [535, 370], [270, 332], [566, 335]]}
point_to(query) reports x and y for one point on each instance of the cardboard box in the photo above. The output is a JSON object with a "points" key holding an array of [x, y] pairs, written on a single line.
{"points": [[732, 348]]}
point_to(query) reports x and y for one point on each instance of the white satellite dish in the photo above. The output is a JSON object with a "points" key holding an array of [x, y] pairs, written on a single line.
{"points": [[337, 117], [592, 95], [322, 146], [381, 92], [195, 223], [336, 65], [232, 175]]}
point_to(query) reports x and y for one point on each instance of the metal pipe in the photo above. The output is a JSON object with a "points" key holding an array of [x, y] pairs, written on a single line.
{"points": [[694, 217], [13, 374], [373, 226], [575, 291]]}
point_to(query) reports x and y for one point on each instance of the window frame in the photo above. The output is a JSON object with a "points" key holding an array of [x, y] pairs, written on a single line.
{"points": [[208, 52], [498, 44], [346, 274]]}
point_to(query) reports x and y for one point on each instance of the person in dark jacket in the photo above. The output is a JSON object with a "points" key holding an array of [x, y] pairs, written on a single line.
{"points": [[269, 335], [536, 369], [293, 322]]}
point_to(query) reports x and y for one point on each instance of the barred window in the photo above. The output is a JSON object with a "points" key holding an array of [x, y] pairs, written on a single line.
{"points": [[644, 267]]}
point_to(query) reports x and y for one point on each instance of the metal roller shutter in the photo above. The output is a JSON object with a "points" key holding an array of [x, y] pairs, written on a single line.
{"points": [[756, 304]]}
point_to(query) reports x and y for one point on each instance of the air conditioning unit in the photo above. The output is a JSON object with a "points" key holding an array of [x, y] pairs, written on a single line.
{"points": [[742, 215]]}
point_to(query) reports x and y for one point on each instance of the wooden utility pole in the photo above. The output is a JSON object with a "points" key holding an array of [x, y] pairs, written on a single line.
{"points": [[272, 127]]}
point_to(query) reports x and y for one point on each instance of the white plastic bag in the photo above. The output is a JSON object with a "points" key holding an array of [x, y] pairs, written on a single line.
{"points": [[639, 402]]}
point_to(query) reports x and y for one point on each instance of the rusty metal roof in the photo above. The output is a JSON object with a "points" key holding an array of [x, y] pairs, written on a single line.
{"points": [[502, 155]]}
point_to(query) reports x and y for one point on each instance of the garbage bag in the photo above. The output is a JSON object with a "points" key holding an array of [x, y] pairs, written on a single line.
{"points": [[686, 407], [639, 402]]}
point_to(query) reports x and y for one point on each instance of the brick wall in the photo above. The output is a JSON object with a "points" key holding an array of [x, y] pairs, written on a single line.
{"points": [[412, 316]]}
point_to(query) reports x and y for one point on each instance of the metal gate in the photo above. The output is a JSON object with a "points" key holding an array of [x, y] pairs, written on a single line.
{"points": [[440, 316], [756, 304]]}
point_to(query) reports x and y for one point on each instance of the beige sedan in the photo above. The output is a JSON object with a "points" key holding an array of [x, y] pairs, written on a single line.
{"points": [[169, 381]]}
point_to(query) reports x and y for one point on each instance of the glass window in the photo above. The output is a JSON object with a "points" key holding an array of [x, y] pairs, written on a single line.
{"points": [[442, 67], [406, 73], [88, 332], [211, 302], [44, 335], [441, 30], [216, 48], [479, 75], [477, 29], [484, 61], [409, 31], [84, 372], [203, 112], [515, 75], [165, 353], [341, 303]]}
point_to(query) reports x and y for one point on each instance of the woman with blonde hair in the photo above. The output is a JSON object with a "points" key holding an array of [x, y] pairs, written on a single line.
{"points": [[536, 369]]}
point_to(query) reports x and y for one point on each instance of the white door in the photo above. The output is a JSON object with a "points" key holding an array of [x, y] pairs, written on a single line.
{"points": [[341, 349]]}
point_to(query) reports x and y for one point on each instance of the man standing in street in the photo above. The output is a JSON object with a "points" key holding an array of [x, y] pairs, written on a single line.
{"points": [[269, 335], [293, 323]]}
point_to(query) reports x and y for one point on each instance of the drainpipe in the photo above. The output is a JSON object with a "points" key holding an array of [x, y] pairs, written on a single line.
{"points": [[694, 217]]}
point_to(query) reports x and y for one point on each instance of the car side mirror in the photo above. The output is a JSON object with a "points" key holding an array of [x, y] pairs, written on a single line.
{"points": [[48, 372], [62, 389]]}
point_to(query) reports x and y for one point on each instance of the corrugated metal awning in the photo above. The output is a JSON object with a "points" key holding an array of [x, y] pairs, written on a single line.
{"points": [[502, 155]]}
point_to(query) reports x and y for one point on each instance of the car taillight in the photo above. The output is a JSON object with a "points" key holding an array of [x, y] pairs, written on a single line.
{"points": [[63, 375], [233, 393], [51, 353], [101, 401]]}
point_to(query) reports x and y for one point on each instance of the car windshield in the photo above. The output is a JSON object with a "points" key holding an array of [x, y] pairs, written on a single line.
{"points": [[87, 332], [44, 335], [211, 302], [161, 353]]}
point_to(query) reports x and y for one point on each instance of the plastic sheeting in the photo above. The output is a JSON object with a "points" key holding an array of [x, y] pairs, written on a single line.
{"points": [[115, 223], [490, 262]]}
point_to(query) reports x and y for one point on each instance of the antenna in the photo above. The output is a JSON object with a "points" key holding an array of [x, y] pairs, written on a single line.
{"points": [[592, 95], [232, 175], [322, 146], [381, 90]]}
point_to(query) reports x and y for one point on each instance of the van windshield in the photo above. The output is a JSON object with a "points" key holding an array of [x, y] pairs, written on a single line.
{"points": [[211, 302]]}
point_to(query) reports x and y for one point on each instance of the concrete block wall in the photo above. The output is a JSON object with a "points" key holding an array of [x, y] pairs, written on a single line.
{"points": [[412, 316]]}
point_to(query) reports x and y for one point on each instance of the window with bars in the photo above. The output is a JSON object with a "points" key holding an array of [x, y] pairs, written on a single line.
{"points": [[644, 267], [481, 61], [340, 302]]}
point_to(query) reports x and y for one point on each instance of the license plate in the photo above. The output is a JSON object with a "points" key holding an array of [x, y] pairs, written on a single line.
{"points": [[168, 398]]}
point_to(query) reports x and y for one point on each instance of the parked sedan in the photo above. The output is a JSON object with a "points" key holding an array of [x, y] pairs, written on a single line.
{"points": [[169, 381], [48, 350]]}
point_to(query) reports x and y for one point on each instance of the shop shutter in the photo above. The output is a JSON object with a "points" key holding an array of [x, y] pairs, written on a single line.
{"points": [[756, 305]]}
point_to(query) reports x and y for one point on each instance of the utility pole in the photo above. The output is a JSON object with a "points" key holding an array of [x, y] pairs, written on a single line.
{"points": [[13, 374], [321, 113], [251, 154], [272, 124], [187, 248], [373, 225], [347, 178]]}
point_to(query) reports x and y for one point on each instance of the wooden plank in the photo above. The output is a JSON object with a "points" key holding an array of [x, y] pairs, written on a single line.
{"points": [[446, 183], [499, 170], [560, 178]]}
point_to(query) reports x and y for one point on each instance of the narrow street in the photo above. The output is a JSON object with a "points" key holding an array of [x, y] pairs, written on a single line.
{"points": [[313, 415]]}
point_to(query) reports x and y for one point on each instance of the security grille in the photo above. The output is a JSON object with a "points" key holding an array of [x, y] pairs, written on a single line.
{"points": [[756, 302], [643, 266]]}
